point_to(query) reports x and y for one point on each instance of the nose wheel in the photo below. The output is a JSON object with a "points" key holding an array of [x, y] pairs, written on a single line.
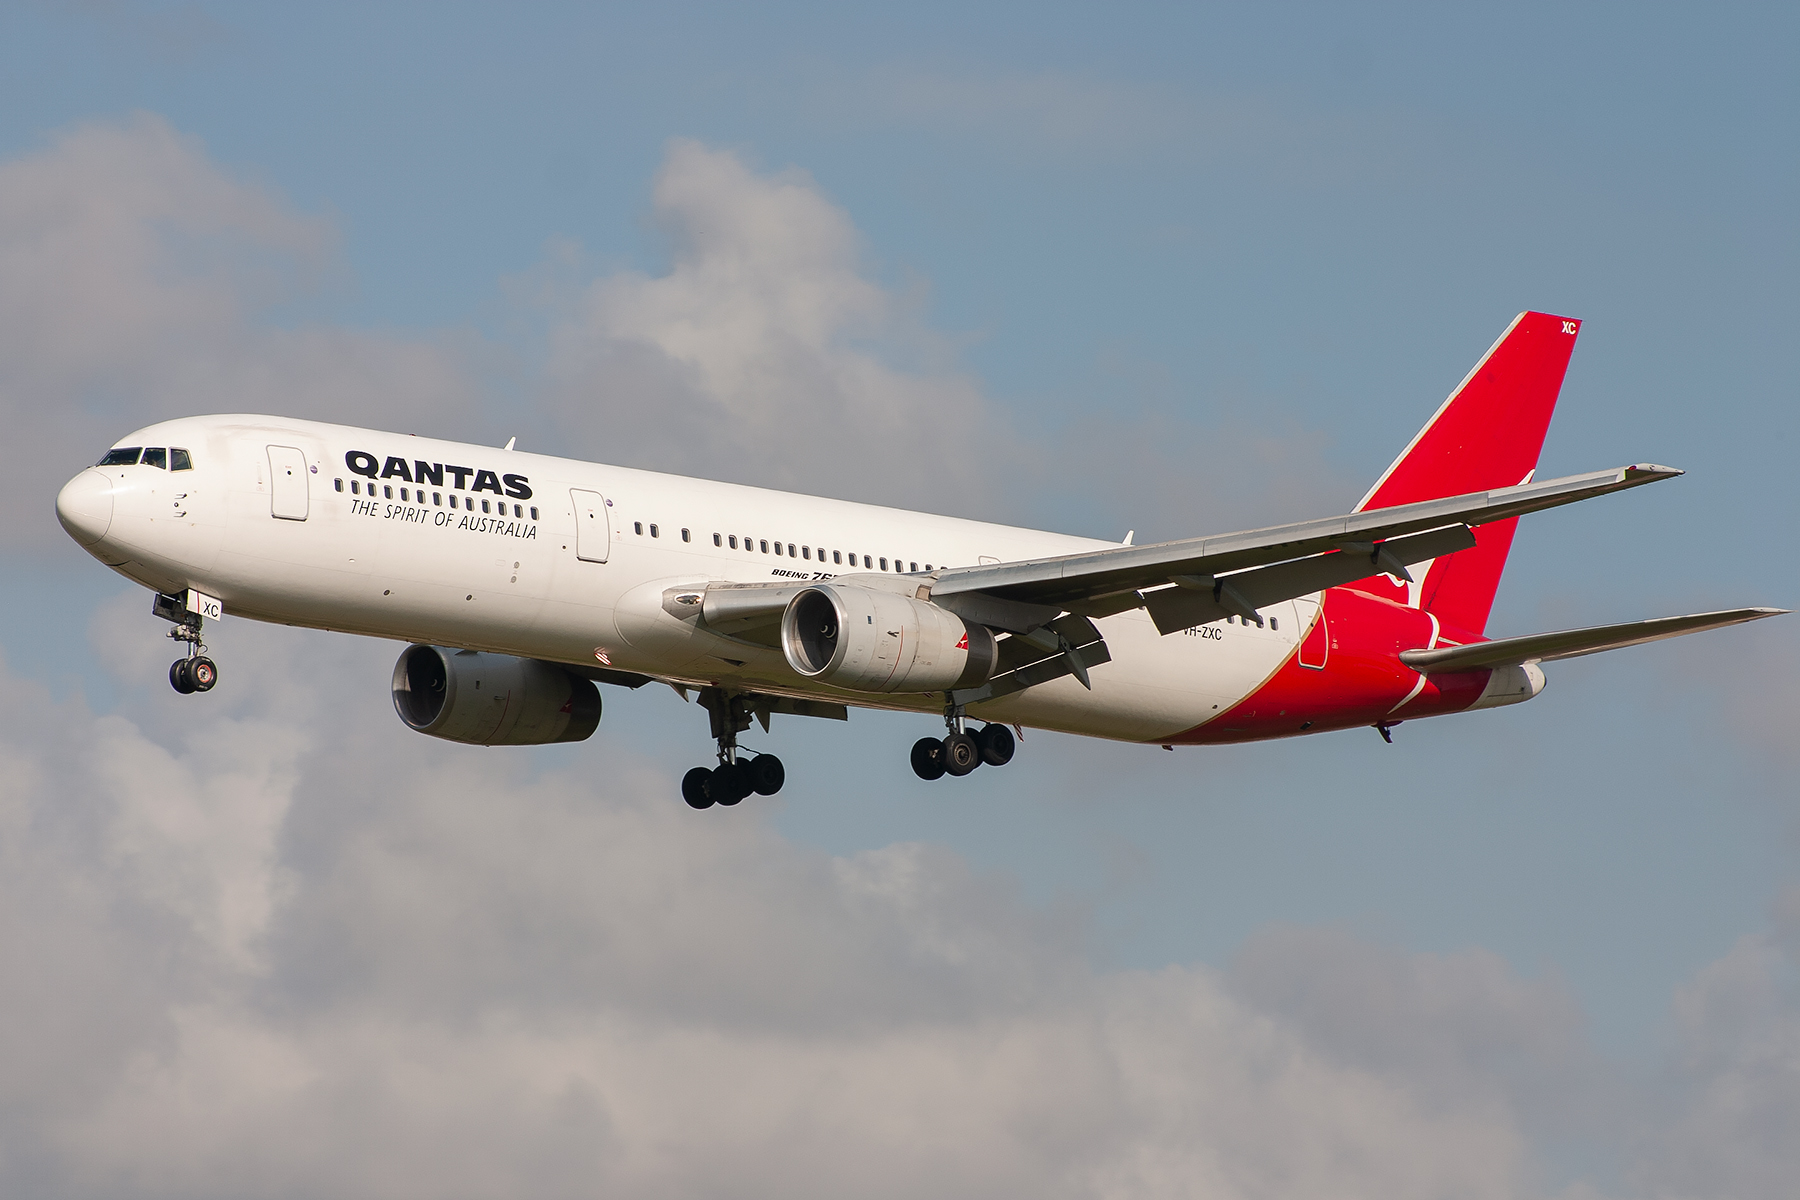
{"points": [[196, 674], [735, 779], [960, 752]]}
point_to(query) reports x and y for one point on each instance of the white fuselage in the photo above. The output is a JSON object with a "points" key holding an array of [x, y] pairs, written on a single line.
{"points": [[490, 560]]}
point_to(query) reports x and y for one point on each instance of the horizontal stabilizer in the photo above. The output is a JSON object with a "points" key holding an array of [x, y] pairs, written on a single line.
{"points": [[1572, 643]]}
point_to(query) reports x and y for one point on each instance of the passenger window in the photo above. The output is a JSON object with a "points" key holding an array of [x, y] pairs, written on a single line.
{"points": [[790, 549], [337, 485], [733, 540], [778, 548], [534, 515], [806, 552], [355, 488], [719, 541], [655, 532], [913, 567], [124, 456], [387, 491], [685, 537], [765, 547], [179, 460], [837, 556], [403, 494], [637, 527], [866, 563], [884, 564], [157, 457], [484, 506]]}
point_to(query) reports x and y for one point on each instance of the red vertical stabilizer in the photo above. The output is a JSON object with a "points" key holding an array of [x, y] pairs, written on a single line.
{"points": [[1486, 435]]}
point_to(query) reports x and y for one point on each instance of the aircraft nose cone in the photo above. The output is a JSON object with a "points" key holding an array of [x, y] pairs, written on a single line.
{"points": [[85, 506]]}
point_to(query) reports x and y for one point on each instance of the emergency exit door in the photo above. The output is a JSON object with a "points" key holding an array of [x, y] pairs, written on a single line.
{"points": [[593, 526], [287, 483]]}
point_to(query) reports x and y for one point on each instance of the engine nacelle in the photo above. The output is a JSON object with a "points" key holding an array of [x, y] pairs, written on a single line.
{"points": [[873, 641], [492, 699]]}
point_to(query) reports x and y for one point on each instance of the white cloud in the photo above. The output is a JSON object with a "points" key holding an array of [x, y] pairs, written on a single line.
{"points": [[1735, 1087], [766, 354], [240, 964], [133, 273], [254, 968], [138, 279]]}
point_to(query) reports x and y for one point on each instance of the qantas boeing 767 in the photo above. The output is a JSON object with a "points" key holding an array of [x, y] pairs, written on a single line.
{"points": [[521, 580]]}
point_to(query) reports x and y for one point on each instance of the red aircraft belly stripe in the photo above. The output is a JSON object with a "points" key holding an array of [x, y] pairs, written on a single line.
{"points": [[1362, 682]]}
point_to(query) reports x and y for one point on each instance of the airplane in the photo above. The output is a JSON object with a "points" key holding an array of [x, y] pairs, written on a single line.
{"points": [[520, 581]]}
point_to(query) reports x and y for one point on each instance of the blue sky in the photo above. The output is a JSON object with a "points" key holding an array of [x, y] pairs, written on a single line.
{"points": [[1173, 269]]}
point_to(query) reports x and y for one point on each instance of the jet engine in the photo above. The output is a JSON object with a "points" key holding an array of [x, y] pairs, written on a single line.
{"points": [[492, 699], [873, 641]]}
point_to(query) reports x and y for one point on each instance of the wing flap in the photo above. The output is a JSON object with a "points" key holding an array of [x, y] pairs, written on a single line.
{"points": [[1184, 606], [1572, 643]]}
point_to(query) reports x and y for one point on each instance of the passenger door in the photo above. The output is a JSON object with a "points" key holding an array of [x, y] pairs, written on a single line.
{"points": [[593, 526], [288, 485], [1310, 628]]}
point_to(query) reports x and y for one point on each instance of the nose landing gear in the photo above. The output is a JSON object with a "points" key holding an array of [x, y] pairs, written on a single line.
{"points": [[195, 672], [734, 779], [960, 752]]}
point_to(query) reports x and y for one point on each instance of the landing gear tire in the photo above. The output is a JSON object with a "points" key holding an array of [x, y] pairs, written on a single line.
{"points": [[996, 743], [961, 754], [928, 758], [203, 672], [180, 679], [696, 788], [728, 783], [766, 774]]}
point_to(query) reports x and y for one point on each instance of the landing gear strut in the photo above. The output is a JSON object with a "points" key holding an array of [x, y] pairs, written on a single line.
{"points": [[959, 752], [734, 778], [195, 672]]}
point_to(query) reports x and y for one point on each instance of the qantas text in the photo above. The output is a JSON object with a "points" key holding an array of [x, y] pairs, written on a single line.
{"points": [[366, 464]]}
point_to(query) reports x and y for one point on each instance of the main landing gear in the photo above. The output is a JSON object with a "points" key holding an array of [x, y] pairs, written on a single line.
{"points": [[195, 672], [959, 752], [734, 778]]}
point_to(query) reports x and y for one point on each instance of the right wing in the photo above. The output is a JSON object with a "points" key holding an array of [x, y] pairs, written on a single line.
{"points": [[1572, 643]]}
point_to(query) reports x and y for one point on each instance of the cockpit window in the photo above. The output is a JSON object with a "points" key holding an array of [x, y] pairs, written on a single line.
{"points": [[155, 456], [179, 460], [124, 456]]}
